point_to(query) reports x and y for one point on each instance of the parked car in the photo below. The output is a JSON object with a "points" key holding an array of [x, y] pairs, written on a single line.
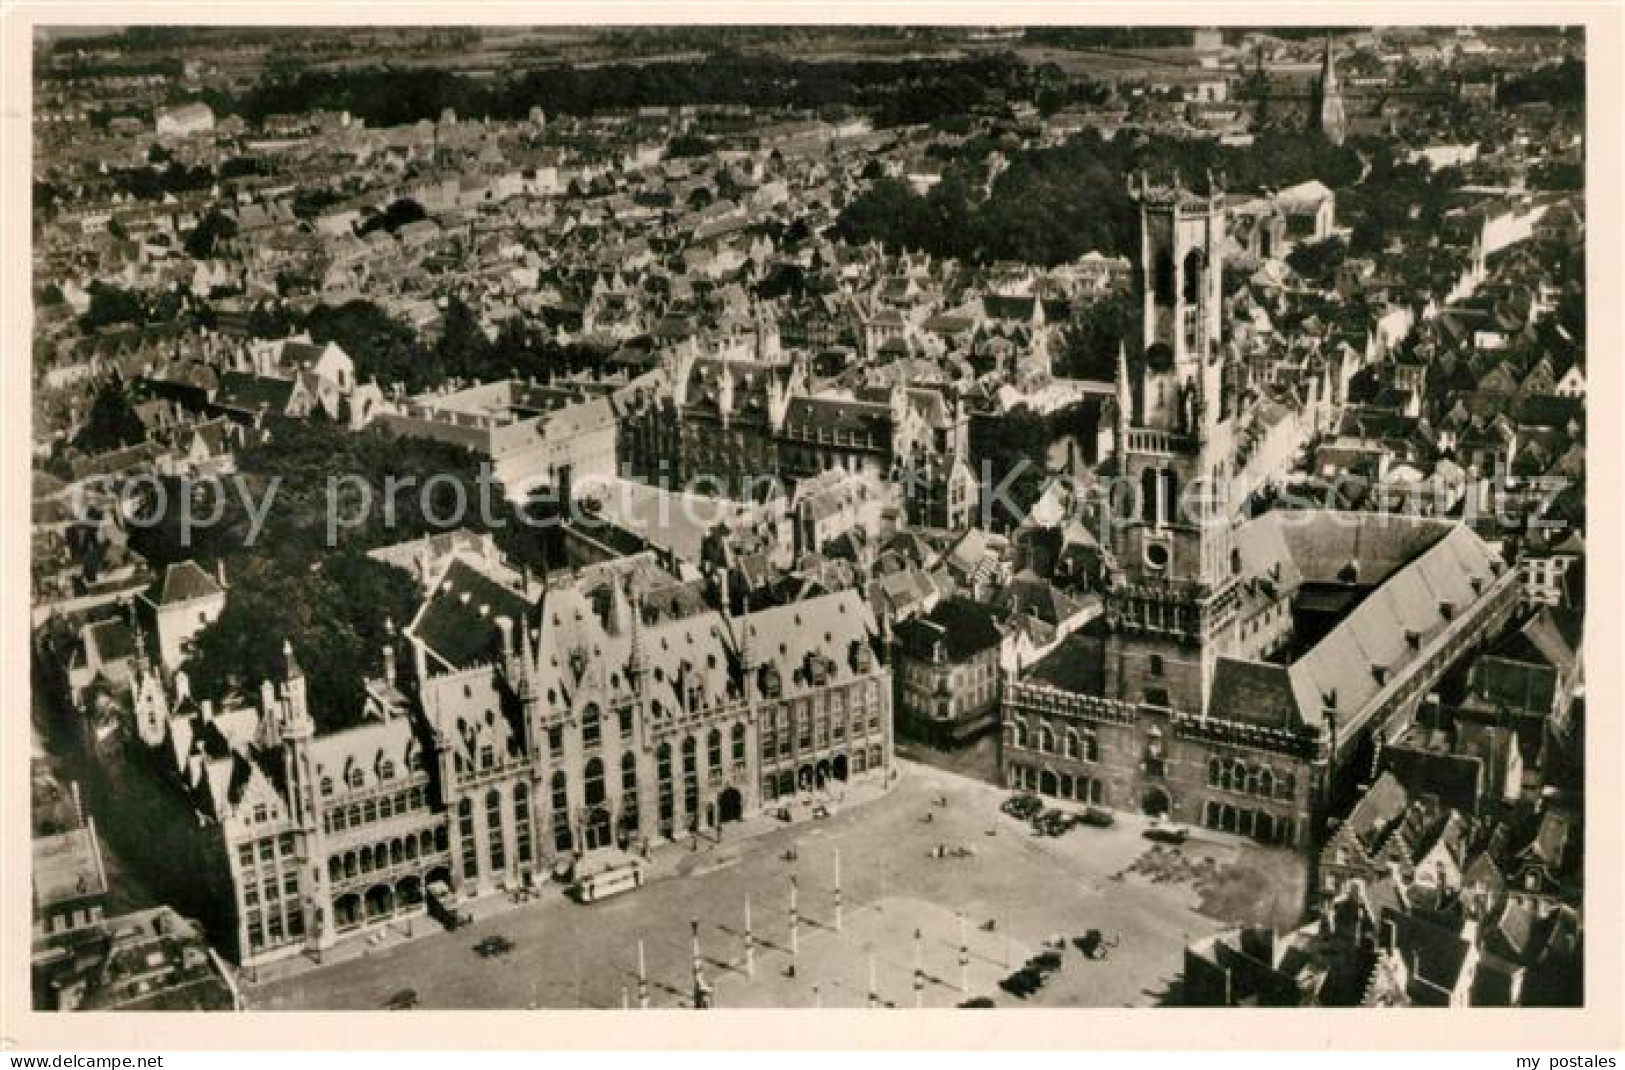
{"points": [[1167, 831], [1022, 807], [493, 946], [1097, 817]]}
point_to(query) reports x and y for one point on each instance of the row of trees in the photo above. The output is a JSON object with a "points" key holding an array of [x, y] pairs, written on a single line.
{"points": [[326, 496], [1053, 205], [389, 351]]}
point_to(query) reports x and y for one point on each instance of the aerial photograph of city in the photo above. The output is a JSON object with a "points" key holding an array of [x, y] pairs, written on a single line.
{"points": [[807, 516]]}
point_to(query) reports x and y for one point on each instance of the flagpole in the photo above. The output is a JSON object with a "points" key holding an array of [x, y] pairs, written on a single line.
{"points": [[795, 923], [643, 980]]}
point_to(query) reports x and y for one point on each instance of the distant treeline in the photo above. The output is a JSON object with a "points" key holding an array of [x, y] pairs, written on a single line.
{"points": [[1558, 84], [901, 92]]}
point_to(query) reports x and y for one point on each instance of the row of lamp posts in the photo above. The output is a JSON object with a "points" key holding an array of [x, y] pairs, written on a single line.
{"points": [[703, 992]]}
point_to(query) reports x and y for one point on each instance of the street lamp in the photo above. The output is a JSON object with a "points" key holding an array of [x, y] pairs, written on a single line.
{"points": [[795, 924], [838, 918]]}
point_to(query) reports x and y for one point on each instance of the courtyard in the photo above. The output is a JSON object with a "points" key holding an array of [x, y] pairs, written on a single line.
{"points": [[999, 891]]}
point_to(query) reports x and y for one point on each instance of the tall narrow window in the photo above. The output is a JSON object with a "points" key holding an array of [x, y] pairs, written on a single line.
{"points": [[664, 776], [561, 813], [522, 841], [493, 831], [629, 792], [594, 783], [465, 836]]}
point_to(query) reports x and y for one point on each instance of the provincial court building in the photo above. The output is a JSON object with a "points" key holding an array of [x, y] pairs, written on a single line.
{"points": [[514, 734]]}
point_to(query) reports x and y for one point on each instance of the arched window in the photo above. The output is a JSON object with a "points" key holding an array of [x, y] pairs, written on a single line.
{"points": [[355, 814], [713, 750], [1194, 269], [1162, 278], [1074, 745], [386, 770], [1046, 739], [327, 785], [592, 727], [356, 778], [369, 811], [366, 859], [385, 808], [1091, 747], [739, 743], [1021, 734], [1215, 772], [335, 868]]}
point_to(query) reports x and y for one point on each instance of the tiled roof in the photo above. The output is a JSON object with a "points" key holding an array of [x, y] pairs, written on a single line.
{"points": [[182, 581], [458, 622]]}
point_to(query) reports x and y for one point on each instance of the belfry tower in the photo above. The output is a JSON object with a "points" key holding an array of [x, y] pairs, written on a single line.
{"points": [[1171, 567]]}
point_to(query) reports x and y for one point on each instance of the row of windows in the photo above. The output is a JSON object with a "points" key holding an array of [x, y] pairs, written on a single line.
{"points": [[266, 850], [1084, 789], [815, 734], [400, 850], [356, 779], [270, 889], [275, 927], [495, 817], [1081, 746], [1255, 823], [1236, 775], [380, 809]]}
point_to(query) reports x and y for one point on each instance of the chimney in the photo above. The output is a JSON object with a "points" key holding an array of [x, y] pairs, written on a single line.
{"points": [[389, 664], [505, 626]]}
